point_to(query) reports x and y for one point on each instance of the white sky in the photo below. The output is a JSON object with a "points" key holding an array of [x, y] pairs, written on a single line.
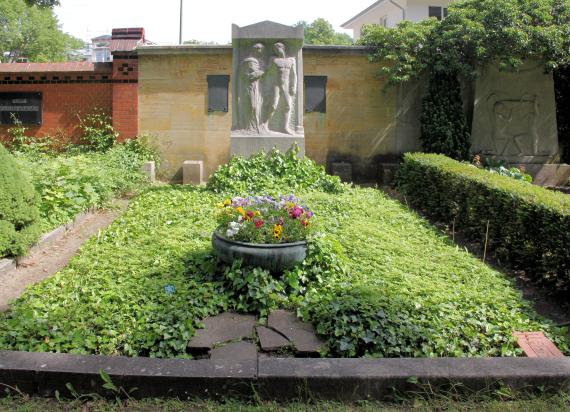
{"points": [[206, 20]]}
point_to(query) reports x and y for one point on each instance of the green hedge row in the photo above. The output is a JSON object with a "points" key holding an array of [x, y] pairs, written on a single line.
{"points": [[529, 226]]}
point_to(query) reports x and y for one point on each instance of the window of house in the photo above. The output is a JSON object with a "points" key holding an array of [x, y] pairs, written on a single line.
{"points": [[437, 12], [25, 107], [384, 21], [218, 93], [316, 94]]}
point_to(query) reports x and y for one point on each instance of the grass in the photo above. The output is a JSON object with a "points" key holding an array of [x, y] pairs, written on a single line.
{"points": [[544, 402], [405, 289]]}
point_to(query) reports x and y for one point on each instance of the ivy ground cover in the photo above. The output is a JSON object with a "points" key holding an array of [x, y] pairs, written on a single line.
{"points": [[379, 281]]}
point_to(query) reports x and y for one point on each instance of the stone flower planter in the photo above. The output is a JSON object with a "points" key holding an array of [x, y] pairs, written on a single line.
{"points": [[274, 257]]}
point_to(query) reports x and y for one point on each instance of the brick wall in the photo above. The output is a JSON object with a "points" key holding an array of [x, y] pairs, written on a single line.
{"points": [[125, 95], [65, 96]]}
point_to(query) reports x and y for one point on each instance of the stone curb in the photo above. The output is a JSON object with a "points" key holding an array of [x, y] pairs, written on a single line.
{"points": [[272, 378], [7, 265]]}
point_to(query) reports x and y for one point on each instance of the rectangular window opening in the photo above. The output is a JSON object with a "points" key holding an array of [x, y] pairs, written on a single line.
{"points": [[218, 93], [435, 11], [316, 94]]}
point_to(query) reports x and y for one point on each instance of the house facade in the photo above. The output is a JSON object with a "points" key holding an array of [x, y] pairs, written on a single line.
{"points": [[389, 13]]}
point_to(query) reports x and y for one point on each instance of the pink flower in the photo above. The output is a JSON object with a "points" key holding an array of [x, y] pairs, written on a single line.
{"points": [[258, 223], [296, 212]]}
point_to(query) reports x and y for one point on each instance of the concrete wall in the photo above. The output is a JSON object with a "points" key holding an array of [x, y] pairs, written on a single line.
{"points": [[364, 124], [173, 107]]}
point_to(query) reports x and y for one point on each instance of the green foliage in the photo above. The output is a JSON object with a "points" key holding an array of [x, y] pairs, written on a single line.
{"points": [[98, 132], [19, 215], [476, 32], [527, 224], [444, 128], [33, 32], [69, 185], [512, 172], [378, 282], [274, 173], [562, 94], [321, 31]]}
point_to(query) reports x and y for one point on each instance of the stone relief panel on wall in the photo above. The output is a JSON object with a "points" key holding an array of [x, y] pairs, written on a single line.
{"points": [[266, 91], [514, 125]]}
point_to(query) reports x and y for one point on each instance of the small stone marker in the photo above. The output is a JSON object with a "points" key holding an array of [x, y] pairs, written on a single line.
{"points": [[149, 169], [271, 341], [536, 345], [225, 327], [235, 351], [192, 172], [301, 334]]}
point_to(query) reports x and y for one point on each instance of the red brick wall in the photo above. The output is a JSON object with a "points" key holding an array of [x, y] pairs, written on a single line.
{"points": [[68, 92], [125, 95], [62, 103]]}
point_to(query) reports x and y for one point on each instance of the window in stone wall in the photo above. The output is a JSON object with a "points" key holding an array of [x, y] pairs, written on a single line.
{"points": [[218, 93], [25, 107], [316, 94]]}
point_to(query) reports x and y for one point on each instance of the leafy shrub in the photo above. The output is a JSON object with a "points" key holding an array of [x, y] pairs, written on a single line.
{"points": [[19, 215], [528, 225], [444, 128], [272, 174], [98, 132], [69, 185]]}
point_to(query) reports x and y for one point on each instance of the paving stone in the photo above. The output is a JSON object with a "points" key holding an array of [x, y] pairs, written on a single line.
{"points": [[536, 345], [222, 328], [236, 351], [301, 334], [271, 341]]}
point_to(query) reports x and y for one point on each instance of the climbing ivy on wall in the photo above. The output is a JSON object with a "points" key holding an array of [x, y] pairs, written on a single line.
{"points": [[475, 33]]}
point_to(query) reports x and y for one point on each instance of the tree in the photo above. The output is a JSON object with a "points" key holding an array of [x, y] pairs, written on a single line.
{"points": [[32, 32], [43, 3], [322, 32]]}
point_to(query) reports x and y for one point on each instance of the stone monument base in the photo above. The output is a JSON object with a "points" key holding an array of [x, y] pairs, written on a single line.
{"points": [[243, 145]]}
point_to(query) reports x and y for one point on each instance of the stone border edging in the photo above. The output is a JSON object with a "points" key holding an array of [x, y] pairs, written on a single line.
{"points": [[270, 378], [9, 264]]}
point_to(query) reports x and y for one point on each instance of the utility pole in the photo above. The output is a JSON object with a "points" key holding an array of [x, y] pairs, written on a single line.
{"points": [[181, 14]]}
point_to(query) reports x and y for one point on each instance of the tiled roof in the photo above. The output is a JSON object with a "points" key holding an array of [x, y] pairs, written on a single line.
{"points": [[126, 45], [54, 67]]}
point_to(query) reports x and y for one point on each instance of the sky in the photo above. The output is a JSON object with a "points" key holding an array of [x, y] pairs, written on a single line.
{"points": [[205, 20]]}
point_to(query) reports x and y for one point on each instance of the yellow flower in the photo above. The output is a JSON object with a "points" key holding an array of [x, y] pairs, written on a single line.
{"points": [[277, 231], [241, 211], [227, 202]]}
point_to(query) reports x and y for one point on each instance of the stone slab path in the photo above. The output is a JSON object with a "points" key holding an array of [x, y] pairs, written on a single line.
{"points": [[230, 336], [46, 261]]}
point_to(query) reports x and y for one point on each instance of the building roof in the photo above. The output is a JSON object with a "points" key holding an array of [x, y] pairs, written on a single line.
{"points": [[54, 67], [363, 12]]}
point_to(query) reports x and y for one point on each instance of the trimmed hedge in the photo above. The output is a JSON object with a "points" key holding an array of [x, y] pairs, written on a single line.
{"points": [[529, 226], [19, 213]]}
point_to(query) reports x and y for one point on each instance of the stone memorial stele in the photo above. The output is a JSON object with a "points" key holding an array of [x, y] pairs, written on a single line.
{"points": [[267, 86]]}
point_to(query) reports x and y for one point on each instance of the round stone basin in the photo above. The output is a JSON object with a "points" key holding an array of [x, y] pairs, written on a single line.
{"points": [[274, 257]]}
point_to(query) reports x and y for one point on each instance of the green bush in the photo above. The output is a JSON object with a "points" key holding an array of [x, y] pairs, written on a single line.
{"points": [[527, 225], [69, 185], [98, 132], [444, 128], [19, 215], [274, 173]]}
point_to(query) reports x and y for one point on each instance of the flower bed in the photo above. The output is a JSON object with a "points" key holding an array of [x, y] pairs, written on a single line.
{"points": [[379, 282], [265, 219]]}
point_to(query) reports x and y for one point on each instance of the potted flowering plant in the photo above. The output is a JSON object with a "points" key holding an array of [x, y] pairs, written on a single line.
{"points": [[263, 231]]}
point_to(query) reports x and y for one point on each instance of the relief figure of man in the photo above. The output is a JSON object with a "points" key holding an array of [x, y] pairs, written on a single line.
{"points": [[283, 88]]}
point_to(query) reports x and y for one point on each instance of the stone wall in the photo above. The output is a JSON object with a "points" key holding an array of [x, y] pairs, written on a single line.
{"points": [[173, 106], [364, 124]]}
